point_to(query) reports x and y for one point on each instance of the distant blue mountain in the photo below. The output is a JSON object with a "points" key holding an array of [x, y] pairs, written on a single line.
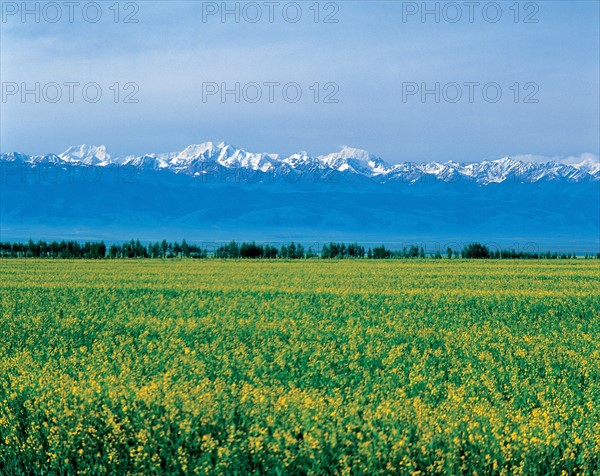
{"points": [[219, 192]]}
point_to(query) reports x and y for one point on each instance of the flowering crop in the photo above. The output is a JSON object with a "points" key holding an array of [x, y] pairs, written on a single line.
{"points": [[313, 367]]}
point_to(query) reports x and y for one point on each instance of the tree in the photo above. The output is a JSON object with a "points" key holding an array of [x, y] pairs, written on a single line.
{"points": [[251, 250], [475, 251], [230, 250], [380, 252], [270, 252]]}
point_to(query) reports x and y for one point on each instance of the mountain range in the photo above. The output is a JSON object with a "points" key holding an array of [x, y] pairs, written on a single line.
{"points": [[217, 192], [207, 158]]}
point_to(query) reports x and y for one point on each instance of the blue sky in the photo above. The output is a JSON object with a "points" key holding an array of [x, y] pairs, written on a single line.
{"points": [[368, 59]]}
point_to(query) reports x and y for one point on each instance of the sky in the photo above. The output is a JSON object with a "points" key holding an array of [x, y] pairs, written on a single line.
{"points": [[407, 81]]}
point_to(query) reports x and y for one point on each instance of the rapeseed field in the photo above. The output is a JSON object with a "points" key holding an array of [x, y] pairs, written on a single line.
{"points": [[313, 367]]}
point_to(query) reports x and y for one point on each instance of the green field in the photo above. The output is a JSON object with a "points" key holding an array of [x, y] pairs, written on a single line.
{"points": [[313, 367]]}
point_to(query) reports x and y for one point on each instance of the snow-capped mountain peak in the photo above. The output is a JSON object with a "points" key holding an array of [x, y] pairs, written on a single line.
{"points": [[355, 160], [195, 151], [587, 163], [87, 154], [207, 157]]}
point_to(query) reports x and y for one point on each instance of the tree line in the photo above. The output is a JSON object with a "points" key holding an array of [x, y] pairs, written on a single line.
{"points": [[251, 250], [98, 250]]}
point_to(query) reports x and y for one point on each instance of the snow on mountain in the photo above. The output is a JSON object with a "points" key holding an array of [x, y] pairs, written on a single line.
{"points": [[231, 157], [145, 162], [206, 158], [14, 157], [87, 154], [588, 164], [203, 158], [355, 160], [300, 159]]}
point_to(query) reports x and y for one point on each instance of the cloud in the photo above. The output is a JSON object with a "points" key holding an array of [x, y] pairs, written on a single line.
{"points": [[586, 158]]}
